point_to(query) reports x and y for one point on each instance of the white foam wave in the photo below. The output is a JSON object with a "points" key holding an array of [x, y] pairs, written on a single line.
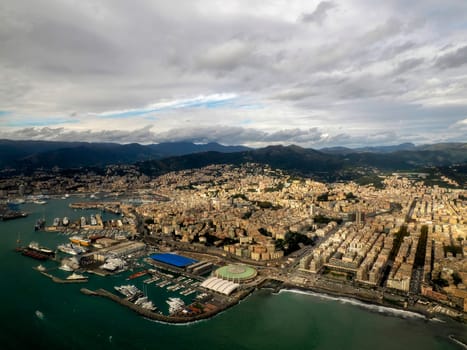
{"points": [[457, 341], [376, 308]]}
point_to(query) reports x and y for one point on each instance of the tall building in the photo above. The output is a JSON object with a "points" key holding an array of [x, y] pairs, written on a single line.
{"points": [[358, 217]]}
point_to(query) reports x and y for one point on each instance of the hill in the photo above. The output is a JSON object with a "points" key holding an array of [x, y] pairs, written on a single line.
{"points": [[30, 155]]}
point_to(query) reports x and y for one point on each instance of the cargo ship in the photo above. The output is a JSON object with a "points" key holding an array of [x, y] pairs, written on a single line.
{"points": [[137, 274]]}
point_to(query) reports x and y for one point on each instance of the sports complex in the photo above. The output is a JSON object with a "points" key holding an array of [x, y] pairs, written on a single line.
{"points": [[236, 273]]}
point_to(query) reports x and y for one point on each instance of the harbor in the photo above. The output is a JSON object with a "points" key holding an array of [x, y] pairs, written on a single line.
{"points": [[55, 301]]}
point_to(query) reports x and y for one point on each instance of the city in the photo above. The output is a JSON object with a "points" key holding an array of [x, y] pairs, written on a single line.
{"points": [[402, 245]]}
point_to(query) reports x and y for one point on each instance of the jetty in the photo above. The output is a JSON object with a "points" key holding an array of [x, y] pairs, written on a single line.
{"points": [[63, 281]]}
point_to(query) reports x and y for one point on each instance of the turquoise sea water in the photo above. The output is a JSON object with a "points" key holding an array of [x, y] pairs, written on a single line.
{"points": [[37, 313]]}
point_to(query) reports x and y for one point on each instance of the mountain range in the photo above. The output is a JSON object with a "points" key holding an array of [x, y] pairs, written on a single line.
{"points": [[29, 155], [156, 159]]}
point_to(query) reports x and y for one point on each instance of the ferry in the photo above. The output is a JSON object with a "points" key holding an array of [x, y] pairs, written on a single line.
{"points": [[35, 246], [33, 253]]}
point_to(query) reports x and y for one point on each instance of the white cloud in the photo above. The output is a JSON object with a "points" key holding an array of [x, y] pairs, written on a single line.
{"points": [[355, 68]]}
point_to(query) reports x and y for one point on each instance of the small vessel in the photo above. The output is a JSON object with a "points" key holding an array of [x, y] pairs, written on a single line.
{"points": [[75, 276], [39, 201], [129, 290], [175, 305], [80, 240], [56, 222], [65, 267], [93, 220], [40, 267], [35, 246], [68, 249], [138, 274], [40, 225]]}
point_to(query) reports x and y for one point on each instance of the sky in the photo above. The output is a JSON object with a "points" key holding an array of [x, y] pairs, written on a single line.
{"points": [[253, 72]]}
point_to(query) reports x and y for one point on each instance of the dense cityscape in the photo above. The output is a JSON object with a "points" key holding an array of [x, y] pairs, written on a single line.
{"points": [[401, 245]]}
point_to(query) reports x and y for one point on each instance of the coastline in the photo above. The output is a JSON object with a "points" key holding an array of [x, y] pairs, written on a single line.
{"points": [[375, 305]]}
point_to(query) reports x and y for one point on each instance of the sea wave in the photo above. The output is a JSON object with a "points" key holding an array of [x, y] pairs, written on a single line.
{"points": [[376, 308]]}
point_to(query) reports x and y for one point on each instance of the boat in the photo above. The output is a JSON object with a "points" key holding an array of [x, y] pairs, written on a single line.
{"points": [[80, 240], [35, 246], [56, 222], [65, 267], [65, 221], [138, 274], [113, 264], [175, 305], [40, 267], [93, 220], [39, 201], [33, 254], [129, 290], [40, 225], [75, 276], [145, 303], [68, 249]]}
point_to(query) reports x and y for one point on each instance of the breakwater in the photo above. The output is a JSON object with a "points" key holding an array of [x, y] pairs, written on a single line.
{"points": [[164, 318]]}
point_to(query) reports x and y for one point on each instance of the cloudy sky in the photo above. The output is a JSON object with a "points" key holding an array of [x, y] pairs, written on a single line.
{"points": [[308, 72]]}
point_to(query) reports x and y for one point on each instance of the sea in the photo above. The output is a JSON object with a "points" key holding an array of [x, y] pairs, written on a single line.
{"points": [[37, 313]]}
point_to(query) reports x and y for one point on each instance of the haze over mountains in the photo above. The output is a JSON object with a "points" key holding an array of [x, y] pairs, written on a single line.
{"points": [[159, 158]]}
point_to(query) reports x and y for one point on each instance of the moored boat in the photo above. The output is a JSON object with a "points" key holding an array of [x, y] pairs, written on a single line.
{"points": [[35, 246], [80, 240], [138, 274], [75, 276]]}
